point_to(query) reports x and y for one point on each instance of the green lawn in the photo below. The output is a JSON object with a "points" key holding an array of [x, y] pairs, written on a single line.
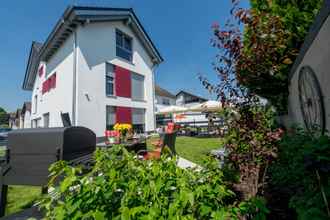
{"points": [[193, 148], [21, 197]]}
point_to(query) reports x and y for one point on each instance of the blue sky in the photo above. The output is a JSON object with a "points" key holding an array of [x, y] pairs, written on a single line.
{"points": [[181, 30]]}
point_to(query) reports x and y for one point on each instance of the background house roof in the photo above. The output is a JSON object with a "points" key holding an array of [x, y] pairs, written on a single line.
{"points": [[190, 94], [163, 92], [26, 107], [32, 66]]}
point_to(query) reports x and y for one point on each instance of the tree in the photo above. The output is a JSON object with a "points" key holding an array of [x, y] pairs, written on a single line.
{"points": [[3, 117], [259, 60]]}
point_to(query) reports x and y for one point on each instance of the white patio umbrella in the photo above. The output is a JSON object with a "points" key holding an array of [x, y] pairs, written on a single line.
{"points": [[172, 109], [208, 106]]}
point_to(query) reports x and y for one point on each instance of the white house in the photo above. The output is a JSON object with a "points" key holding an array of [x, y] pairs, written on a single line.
{"points": [[183, 99], [163, 98], [25, 117], [98, 66]]}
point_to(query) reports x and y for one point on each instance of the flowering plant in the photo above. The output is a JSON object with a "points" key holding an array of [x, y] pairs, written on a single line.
{"points": [[122, 128]]}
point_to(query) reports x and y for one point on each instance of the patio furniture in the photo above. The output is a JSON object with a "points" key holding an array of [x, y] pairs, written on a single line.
{"points": [[166, 140], [132, 145]]}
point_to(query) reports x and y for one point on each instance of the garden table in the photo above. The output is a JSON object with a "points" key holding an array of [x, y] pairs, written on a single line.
{"points": [[134, 144]]}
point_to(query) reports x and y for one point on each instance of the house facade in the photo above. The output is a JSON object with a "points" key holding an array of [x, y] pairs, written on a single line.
{"points": [[184, 98], [309, 91], [163, 98], [25, 117], [98, 66]]}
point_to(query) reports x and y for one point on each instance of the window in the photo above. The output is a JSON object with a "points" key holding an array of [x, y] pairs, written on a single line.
{"points": [[138, 120], [166, 101], [36, 123], [46, 120], [110, 79], [35, 101], [123, 46], [137, 82], [110, 117]]}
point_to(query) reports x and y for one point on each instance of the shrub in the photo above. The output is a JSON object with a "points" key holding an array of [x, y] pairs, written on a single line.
{"points": [[252, 144], [122, 187], [301, 173]]}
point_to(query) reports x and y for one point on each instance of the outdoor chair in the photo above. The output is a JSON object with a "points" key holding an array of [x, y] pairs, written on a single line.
{"points": [[166, 140]]}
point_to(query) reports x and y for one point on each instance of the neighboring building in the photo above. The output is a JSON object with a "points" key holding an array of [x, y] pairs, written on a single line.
{"points": [[98, 66], [14, 119], [184, 98], [309, 90], [163, 98], [26, 115]]}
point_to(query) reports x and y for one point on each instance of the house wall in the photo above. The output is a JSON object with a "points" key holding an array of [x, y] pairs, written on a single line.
{"points": [[58, 99], [159, 102], [317, 57], [27, 119], [96, 46]]}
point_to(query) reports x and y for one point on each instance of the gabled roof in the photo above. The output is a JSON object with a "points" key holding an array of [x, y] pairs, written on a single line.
{"points": [[79, 15], [26, 107], [32, 66], [163, 92], [190, 94]]}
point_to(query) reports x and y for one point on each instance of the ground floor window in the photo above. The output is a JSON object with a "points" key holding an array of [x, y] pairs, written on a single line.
{"points": [[134, 116], [46, 120], [138, 120], [110, 117], [36, 123]]}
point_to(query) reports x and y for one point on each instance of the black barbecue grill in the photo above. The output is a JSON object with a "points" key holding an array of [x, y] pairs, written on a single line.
{"points": [[30, 152]]}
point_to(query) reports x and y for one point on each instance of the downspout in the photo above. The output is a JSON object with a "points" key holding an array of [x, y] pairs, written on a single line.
{"points": [[153, 92], [74, 80]]}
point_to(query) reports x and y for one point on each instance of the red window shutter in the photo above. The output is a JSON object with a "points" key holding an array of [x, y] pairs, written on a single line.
{"points": [[52, 83], [43, 88], [41, 70], [54, 80], [48, 84], [122, 82], [123, 115]]}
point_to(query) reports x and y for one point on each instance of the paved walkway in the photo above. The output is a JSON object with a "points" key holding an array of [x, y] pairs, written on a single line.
{"points": [[184, 163]]}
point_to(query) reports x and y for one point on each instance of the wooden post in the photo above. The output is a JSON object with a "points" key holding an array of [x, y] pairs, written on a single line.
{"points": [[3, 194]]}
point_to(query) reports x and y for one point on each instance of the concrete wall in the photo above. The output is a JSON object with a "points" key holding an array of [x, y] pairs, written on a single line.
{"points": [[317, 57], [97, 46]]}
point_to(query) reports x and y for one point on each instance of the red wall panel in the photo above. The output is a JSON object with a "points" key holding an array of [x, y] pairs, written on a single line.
{"points": [[123, 115], [122, 82]]}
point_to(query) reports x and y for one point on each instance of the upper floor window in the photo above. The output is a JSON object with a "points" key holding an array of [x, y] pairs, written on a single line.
{"points": [[35, 102], [137, 82], [110, 79], [123, 46], [166, 101]]}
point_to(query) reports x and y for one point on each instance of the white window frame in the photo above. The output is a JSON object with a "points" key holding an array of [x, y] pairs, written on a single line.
{"points": [[110, 74], [122, 47]]}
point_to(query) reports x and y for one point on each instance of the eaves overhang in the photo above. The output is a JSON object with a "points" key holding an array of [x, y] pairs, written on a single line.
{"points": [[79, 15]]}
